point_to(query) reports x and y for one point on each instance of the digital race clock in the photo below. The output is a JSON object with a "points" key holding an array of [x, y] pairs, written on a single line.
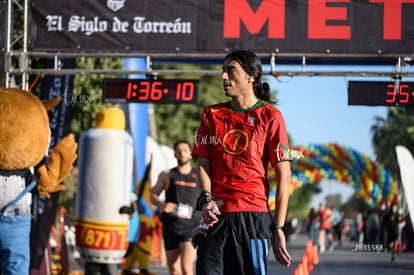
{"points": [[381, 93], [146, 90]]}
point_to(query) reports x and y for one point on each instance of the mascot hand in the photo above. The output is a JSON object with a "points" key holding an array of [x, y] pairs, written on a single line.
{"points": [[58, 166]]}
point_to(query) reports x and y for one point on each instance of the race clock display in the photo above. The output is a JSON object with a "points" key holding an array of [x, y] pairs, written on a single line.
{"points": [[149, 90], [380, 93]]}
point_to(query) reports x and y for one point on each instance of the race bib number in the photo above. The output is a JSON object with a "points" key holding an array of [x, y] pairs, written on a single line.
{"points": [[184, 211]]}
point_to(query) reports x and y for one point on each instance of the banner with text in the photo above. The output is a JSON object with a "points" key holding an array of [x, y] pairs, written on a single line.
{"points": [[60, 117], [211, 26]]}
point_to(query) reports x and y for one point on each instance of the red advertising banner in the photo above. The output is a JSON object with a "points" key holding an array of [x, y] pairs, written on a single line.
{"points": [[212, 26]]}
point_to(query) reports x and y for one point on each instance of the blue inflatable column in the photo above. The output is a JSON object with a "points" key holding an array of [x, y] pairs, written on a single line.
{"points": [[138, 125], [138, 120]]}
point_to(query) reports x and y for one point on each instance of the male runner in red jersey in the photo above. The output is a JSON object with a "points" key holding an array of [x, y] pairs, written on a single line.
{"points": [[234, 144]]}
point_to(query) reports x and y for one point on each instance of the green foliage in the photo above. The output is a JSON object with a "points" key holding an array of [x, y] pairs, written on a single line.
{"points": [[300, 200], [356, 204], [87, 93], [180, 121], [67, 196], [334, 200], [396, 129], [18, 23]]}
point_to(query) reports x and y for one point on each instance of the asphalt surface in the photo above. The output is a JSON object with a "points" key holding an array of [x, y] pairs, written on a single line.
{"points": [[341, 261]]}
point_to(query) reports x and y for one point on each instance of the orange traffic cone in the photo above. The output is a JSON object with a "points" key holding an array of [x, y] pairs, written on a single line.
{"points": [[305, 263], [308, 244], [315, 258], [310, 265], [309, 253], [300, 269]]}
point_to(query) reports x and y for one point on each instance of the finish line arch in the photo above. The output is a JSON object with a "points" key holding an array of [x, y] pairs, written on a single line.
{"points": [[315, 162]]}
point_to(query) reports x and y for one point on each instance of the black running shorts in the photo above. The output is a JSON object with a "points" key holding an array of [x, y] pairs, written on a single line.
{"points": [[238, 244], [172, 237]]}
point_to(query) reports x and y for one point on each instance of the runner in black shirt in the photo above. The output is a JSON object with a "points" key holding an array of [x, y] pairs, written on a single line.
{"points": [[178, 215]]}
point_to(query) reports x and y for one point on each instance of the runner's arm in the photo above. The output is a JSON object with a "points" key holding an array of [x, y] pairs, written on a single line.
{"points": [[283, 172], [210, 209], [203, 173], [162, 184]]}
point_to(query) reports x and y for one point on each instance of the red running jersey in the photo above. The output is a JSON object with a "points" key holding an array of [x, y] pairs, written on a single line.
{"points": [[240, 143]]}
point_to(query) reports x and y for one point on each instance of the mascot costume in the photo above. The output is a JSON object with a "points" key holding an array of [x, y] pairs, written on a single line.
{"points": [[103, 202], [24, 141]]}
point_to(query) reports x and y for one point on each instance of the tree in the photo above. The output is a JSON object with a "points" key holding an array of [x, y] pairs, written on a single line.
{"points": [[396, 129], [355, 204], [300, 200], [180, 121], [89, 87], [334, 200]]}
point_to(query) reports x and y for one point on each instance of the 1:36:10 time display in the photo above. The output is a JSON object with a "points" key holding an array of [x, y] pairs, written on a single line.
{"points": [[155, 90], [149, 90]]}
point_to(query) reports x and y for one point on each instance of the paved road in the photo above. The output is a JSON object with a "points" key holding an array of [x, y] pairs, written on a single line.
{"points": [[345, 261], [341, 261]]}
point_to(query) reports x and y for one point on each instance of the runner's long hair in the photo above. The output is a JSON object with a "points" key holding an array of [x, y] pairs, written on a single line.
{"points": [[251, 64]]}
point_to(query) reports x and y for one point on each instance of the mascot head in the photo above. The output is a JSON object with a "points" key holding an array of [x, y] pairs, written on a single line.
{"points": [[24, 128], [110, 118]]}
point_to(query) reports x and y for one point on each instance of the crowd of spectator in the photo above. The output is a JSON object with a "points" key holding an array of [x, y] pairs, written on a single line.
{"points": [[384, 227]]}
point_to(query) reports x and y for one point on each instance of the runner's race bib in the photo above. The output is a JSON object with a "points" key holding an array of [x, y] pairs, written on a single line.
{"points": [[183, 211]]}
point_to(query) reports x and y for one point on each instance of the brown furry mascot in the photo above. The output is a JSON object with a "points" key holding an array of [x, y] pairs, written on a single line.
{"points": [[24, 140]]}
